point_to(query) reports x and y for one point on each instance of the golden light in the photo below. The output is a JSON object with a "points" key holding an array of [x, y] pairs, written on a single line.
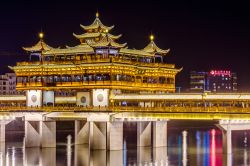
{"points": [[41, 35], [97, 14], [151, 37]]}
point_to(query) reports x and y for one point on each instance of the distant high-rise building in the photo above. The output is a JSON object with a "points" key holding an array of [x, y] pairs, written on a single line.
{"points": [[214, 81], [8, 84], [198, 81]]}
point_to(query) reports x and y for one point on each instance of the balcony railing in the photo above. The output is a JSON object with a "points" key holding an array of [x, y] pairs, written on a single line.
{"points": [[98, 60], [106, 84]]}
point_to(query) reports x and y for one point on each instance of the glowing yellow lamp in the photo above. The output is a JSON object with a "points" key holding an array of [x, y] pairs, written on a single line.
{"points": [[151, 37], [41, 35]]}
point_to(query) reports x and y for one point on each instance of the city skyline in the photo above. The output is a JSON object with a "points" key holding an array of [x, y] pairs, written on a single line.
{"points": [[201, 36]]}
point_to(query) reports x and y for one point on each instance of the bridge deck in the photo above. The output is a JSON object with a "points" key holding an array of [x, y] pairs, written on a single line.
{"points": [[195, 113]]}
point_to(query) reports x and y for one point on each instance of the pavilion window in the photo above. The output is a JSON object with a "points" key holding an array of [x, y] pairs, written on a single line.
{"points": [[69, 78], [145, 80], [33, 79], [39, 79], [50, 79], [20, 79], [106, 77], [77, 57], [134, 59], [118, 77], [66, 78], [48, 58], [147, 60], [98, 77], [138, 79], [25, 79], [35, 56], [168, 80], [77, 78], [162, 80], [56, 79], [113, 77], [158, 59], [171, 81], [85, 78], [91, 78], [113, 51]]}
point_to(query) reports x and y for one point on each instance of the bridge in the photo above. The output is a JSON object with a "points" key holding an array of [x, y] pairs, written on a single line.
{"points": [[102, 126]]}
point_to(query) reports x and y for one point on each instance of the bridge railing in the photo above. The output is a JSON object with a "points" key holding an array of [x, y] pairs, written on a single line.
{"points": [[171, 109]]}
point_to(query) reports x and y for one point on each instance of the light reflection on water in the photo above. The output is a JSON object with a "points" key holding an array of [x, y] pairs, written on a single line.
{"points": [[196, 148]]}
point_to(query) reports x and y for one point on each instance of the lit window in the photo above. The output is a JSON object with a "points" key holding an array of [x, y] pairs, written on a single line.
{"points": [[113, 51]]}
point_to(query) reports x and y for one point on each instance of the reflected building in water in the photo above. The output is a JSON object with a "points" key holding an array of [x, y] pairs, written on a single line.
{"points": [[205, 150]]}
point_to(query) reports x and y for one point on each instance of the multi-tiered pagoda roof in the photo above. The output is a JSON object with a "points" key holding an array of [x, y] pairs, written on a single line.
{"points": [[97, 35]]}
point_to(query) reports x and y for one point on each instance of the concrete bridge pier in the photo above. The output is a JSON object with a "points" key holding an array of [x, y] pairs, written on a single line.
{"points": [[48, 134], [143, 133], [159, 134], [32, 134], [2, 154], [227, 126], [81, 132], [114, 135], [40, 133], [3, 124], [106, 135], [227, 139], [97, 135]]}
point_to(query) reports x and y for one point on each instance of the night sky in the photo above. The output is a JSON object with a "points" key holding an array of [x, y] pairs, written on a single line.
{"points": [[202, 35]]}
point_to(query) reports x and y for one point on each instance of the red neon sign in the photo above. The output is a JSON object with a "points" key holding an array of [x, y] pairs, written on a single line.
{"points": [[220, 72]]}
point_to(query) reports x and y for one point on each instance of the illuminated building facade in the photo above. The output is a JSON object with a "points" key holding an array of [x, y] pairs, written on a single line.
{"points": [[214, 81], [93, 70], [222, 81]]}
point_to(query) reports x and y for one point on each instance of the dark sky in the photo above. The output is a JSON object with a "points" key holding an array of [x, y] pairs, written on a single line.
{"points": [[202, 35]]}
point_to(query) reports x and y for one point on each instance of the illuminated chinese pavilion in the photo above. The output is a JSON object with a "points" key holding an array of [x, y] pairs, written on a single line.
{"points": [[98, 67]]}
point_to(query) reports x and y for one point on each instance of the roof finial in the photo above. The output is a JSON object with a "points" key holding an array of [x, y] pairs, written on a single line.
{"points": [[151, 37], [41, 35], [97, 14]]}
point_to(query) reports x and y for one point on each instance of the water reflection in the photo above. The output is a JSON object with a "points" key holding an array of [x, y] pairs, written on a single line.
{"points": [[245, 157], [69, 150], [213, 148], [200, 148], [184, 148]]}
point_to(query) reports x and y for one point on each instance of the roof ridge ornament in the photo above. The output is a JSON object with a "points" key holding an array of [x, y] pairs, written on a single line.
{"points": [[97, 14]]}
